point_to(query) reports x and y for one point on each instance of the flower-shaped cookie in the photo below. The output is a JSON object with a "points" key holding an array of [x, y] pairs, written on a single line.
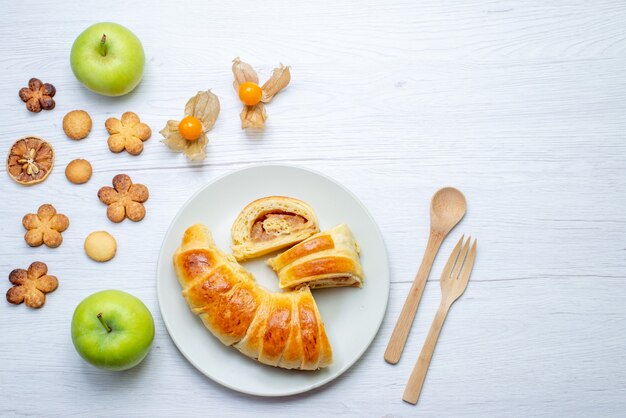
{"points": [[246, 84], [45, 227], [38, 95], [189, 135], [31, 285], [127, 134], [125, 199]]}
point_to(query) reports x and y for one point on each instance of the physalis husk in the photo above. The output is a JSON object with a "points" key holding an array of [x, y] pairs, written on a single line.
{"points": [[205, 106], [255, 116]]}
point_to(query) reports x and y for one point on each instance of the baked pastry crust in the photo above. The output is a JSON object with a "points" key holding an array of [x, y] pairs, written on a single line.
{"points": [[327, 259], [271, 223], [282, 329]]}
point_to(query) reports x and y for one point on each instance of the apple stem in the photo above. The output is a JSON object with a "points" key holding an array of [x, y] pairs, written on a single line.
{"points": [[103, 47], [104, 324]]}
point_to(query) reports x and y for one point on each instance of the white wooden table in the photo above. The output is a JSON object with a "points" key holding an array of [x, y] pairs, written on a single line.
{"points": [[520, 104]]}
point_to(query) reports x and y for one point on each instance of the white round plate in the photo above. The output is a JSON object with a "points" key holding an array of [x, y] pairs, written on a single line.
{"points": [[351, 316]]}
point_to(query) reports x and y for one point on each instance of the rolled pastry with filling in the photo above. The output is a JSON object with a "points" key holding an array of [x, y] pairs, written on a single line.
{"points": [[327, 259], [271, 223], [281, 329]]}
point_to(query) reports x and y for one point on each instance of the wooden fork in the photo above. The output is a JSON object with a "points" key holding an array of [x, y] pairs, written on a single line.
{"points": [[453, 282]]}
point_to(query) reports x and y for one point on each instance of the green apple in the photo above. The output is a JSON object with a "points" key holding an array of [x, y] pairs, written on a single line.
{"points": [[112, 330], [108, 59]]}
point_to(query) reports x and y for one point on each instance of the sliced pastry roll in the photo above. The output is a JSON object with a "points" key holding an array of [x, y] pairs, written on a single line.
{"points": [[270, 224], [281, 329], [327, 259]]}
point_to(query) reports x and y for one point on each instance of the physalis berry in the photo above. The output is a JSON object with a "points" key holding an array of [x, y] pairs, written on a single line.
{"points": [[190, 128], [189, 135], [250, 93], [254, 97]]}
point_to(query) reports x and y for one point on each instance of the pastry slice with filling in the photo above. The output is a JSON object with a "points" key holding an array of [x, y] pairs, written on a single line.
{"points": [[271, 223], [327, 259]]}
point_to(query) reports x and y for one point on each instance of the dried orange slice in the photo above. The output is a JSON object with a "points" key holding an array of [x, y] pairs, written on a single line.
{"points": [[30, 160]]}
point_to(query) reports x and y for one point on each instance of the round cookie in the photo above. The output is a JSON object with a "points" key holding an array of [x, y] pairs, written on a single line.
{"points": [[77, 124], [100, 246], [78, 171]]}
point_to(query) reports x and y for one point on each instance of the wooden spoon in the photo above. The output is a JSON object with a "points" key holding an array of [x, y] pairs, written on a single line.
{"points": [[447, 208]]}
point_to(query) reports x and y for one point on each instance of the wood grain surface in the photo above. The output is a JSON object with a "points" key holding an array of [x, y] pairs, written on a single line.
{"points": [[519, 104]]}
